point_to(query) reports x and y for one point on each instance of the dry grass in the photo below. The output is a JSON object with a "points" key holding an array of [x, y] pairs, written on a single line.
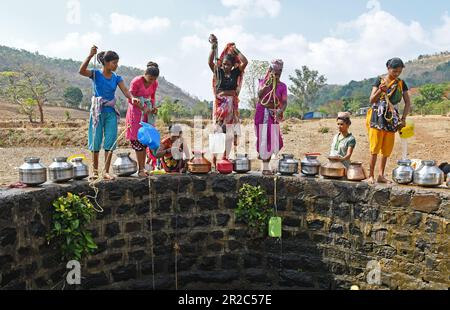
{"points": [[19, 139]]}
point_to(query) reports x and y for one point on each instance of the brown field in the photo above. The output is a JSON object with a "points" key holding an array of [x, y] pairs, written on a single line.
{"points": [[58, 137]]}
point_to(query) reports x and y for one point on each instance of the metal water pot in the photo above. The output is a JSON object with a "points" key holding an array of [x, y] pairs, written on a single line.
{"points": [[288, 165], [310, 165], [60, 170], [242, 164], [356, 172], [448, 179], [404, 173], [32, 172], [80, 170], [428, 174], [199, 164], [125, 166], [334, 169]]}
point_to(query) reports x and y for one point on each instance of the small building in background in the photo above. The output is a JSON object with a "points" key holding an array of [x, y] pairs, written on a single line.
{"points": [[363, 111], [313, 115]]}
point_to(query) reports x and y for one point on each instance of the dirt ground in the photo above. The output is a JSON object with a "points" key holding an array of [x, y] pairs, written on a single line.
{"points": [[59, 137]]}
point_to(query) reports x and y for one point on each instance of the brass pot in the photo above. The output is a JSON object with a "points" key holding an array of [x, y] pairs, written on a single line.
{"points": [[356, 172], [199, 164], [333, 169]]}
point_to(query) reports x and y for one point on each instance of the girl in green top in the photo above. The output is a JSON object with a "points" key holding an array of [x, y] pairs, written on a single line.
{"points": [[344, 142]]}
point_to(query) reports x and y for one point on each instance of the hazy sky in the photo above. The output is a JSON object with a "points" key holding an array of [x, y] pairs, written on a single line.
{"points": [[345, 40]]}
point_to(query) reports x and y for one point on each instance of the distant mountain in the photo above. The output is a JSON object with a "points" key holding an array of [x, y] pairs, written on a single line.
{"points": [[66, 71], [423, 70]]}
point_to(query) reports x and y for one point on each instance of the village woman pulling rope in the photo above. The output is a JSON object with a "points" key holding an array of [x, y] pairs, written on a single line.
{"points": [[104, 118], [228, 72], [269, 113]]}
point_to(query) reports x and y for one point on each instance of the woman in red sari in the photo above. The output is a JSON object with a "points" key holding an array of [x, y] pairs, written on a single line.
{"points": [[228, 77]]}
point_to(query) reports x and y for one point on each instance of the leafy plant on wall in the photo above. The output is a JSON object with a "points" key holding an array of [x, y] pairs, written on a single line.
{"points": [[72, 214], [253, 208]]}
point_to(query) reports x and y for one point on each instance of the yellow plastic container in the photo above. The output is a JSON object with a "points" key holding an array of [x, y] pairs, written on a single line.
{"points": [[158, 172], [77, 156], [407, 131]]}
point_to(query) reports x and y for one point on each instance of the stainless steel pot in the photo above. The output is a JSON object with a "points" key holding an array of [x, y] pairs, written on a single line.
{"points": [[242, 164], [288, 165], [404, 173], [60, 170], [448, 179], [80, 170], [32, 172], [124, 166], [428, 174], [310, 165]]}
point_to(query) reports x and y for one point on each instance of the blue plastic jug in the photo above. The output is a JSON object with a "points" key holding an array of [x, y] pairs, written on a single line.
{"points": [[149, 136]]}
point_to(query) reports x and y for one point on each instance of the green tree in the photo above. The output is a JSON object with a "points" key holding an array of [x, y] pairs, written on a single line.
{"points": [[352, 104], [15, 92], [253, 73], [170, 109], [30, 82], [293, 111], [28, 107], [333, 107], [73, 96], [431, 95], [305, 87], [201, 108], [432, 92]]}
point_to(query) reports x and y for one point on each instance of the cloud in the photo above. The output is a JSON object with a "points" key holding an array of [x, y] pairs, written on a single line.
{"points": [[120, 24], [97, 19], [441, 35], [259, 8], [192, 43], [241, 9], [73, 44], [22, 44], [353, 50]]}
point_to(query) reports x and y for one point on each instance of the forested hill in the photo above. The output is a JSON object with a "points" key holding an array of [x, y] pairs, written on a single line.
{"points": [[66, 73], [423, 70]]}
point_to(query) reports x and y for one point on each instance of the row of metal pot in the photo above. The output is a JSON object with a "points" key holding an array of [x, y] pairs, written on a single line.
{"points": [[310, 166], [200, 165], [34, 173], [428, 174]]}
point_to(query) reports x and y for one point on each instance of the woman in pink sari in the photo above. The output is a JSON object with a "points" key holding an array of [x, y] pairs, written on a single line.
{"points": [[269, 114], [143, 87]]}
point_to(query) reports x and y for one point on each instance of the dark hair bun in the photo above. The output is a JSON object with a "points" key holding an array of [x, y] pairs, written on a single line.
{"points": [[101, 57], [152, 69], [395, 63], [104, 57], [152, 64]]}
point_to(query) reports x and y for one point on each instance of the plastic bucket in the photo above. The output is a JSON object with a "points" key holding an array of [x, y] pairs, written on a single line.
{"points": [[149, 136]]}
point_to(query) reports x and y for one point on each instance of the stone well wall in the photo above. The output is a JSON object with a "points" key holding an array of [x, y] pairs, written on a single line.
{"points": [[331, 231]]}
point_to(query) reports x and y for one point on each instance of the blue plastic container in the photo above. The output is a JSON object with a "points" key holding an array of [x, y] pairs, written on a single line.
{"points": [[149, 136]]}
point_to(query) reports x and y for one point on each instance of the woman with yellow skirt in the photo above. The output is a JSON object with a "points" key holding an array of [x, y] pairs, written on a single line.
{"points": [[383, 119]]}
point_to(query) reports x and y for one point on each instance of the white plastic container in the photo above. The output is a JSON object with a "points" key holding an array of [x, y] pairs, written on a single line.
{"points": [[217, 143]]}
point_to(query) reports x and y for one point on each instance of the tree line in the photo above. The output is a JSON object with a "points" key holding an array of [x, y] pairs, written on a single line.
{"points": [[31, 87]]}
